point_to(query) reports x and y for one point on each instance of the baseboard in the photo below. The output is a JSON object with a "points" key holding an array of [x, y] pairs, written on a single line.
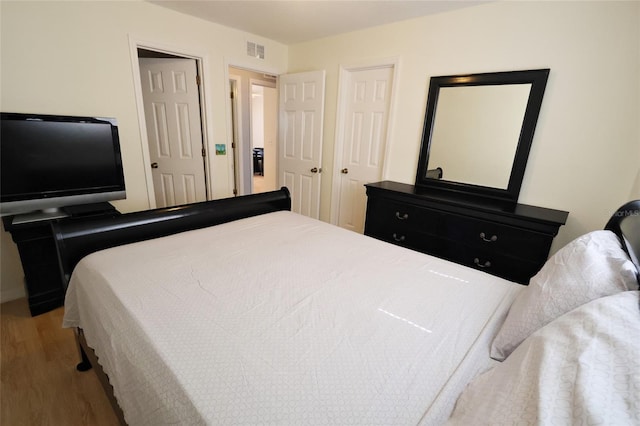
{"points": [[12, 294]]}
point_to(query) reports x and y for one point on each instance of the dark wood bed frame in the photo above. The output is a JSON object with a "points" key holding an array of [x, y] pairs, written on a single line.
{"points": [[75, 239], [625, 223]]}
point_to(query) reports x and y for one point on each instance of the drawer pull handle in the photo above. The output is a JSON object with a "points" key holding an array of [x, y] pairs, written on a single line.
{"points": [[486, 264], [403, 216], [398, 238], [489, 240]]}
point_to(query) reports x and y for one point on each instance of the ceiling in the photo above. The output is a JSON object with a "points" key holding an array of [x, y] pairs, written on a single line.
{"points": [[296, 21]]}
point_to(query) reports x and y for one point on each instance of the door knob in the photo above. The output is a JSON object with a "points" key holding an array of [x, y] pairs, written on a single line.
{"points": [[314, 170], [344, 171], [154, 165]]}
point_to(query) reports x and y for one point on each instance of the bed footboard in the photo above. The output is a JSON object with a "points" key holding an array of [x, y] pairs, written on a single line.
{"points": [[77, 238]]}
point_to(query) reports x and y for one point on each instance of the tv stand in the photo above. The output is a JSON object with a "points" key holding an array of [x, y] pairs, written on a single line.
{"points": [[43, 281], [83, 210], [39, 216]]}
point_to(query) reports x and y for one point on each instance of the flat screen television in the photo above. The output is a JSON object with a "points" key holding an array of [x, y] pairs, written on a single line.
{"points": [[48, 162]]}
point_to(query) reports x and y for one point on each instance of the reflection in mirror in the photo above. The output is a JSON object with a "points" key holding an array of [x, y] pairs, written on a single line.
{"points": [[475, 133], [478, 132]]}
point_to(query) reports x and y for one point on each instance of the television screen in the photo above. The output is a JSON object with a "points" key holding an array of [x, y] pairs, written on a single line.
{"points": [[55, 161]]}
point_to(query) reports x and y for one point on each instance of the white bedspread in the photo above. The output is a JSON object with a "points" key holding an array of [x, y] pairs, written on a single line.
{"points": [[281, 319], [581, 369]]}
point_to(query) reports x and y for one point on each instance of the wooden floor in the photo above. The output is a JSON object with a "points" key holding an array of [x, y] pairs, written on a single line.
{"points": [[39, 384], [258, 184]]}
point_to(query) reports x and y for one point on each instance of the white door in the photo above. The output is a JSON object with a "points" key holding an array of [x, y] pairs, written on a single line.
{"points": [[366, 105], [172, 114], [300, 139]]}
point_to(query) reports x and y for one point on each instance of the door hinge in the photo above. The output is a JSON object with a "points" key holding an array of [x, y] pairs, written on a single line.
{"points": [[235, 191], [198, 79], [204, 152], [233, 145]]}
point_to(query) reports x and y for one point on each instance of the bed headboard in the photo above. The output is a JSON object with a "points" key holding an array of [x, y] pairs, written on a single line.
{"points": [[76, 238], [625, 223]]}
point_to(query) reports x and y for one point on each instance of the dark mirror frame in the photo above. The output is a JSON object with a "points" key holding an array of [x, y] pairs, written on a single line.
{"points": [[537, 79]]}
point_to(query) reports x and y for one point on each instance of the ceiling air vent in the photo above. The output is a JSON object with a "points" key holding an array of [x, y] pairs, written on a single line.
{"points": [[255, 50]]}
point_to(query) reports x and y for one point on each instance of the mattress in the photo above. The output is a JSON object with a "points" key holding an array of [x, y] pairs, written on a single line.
{"points": [[282, 319]]}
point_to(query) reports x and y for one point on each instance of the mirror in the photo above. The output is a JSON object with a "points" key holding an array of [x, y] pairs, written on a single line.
{"points": [[478, 132]]}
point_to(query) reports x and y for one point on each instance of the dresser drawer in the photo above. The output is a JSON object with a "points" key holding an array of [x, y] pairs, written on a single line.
{"points": [[497, 238], [403, 236], [396, 215], [514, 269]]}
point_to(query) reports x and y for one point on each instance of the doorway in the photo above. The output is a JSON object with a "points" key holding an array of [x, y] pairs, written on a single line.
{"points": [[171, 98], [254, 116], [264, 133], [298, 116], [190, 186]]}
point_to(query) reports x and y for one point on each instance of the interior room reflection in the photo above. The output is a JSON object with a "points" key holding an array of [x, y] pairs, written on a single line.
{"points": [[478, 132], [481, 151]]}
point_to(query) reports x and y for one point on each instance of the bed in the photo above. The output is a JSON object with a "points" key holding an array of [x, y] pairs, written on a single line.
{"points": [[239, 311]]}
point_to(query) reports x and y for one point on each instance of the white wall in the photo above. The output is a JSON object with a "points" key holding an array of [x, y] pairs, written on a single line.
{"points": [[74, 58], [586, 148], [270, 138], [257, 116]]}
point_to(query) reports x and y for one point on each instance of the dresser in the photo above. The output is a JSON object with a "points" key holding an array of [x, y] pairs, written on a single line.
{"points": [[508, 240], [44, 285]]}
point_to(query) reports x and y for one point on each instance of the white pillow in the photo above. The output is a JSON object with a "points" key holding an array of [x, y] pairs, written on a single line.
{"points": [[592, 266]]}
